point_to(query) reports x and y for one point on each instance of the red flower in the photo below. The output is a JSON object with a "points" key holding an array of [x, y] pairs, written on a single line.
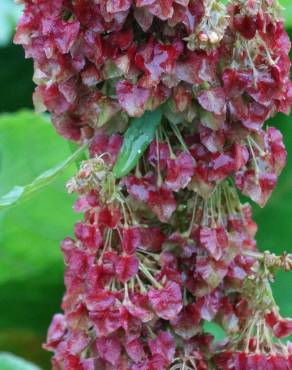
{"points": [[135, 349], [99, 300], [105, 322], [278, 150], [154, 60], [140, 188], [213, 100], [246, 25], [280, 327], [213, 140], [161, 150], [179, 171], [89, 235], [186, 324], [132, 239], [209, 305], [109, 349], [162, 203], [109, 217], [56, 331], [152, 239], [163, 345], [126, 268], [211, 271], [257, 186], [108, 146], [214, 240], [132, 98], [167, 301]]}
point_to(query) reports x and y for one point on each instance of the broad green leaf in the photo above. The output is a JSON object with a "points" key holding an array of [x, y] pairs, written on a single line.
{"points": [[26, 343], [11, 362], [31, 273], [30, 233], [31, 267], [21, 193], [287, 13], [9, 14], [136, 140], [288, 19]]}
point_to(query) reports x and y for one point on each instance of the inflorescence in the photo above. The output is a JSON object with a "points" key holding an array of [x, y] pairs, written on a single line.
{"points": [[169, 246]]}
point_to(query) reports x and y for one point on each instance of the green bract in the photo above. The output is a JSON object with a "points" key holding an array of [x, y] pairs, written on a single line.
{"points": [[136, 140]]}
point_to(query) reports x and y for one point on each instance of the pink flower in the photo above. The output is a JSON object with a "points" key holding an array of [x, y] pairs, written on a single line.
{"points": [[167, 301]]}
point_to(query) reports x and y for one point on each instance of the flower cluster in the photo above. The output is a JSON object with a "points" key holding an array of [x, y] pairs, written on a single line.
{"points": [[255, 348], [224, 73], [148, 268], [169, 246]]}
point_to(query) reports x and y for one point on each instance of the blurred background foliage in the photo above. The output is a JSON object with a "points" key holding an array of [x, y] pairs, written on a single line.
{"points": [[31, 264]]}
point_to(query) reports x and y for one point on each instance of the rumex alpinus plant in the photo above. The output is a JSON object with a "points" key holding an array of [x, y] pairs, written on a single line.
{"points": [[170, 97]]}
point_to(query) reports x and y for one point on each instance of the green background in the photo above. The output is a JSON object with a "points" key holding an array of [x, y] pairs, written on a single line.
{"points": [[31, 265]]}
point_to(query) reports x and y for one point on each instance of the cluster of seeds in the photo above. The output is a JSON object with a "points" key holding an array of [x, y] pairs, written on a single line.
{"points": [[168, 246]]}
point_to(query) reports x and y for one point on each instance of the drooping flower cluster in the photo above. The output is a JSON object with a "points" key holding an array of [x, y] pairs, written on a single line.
{"points": [[168, 246], [137, 292]]}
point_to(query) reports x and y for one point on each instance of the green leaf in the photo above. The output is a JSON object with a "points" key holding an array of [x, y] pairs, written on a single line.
{"points": [[214, 329], [11, 362], [32, 266], [9, 14], [31, 261], [136, 140], [21, 193], [287, 13]]}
